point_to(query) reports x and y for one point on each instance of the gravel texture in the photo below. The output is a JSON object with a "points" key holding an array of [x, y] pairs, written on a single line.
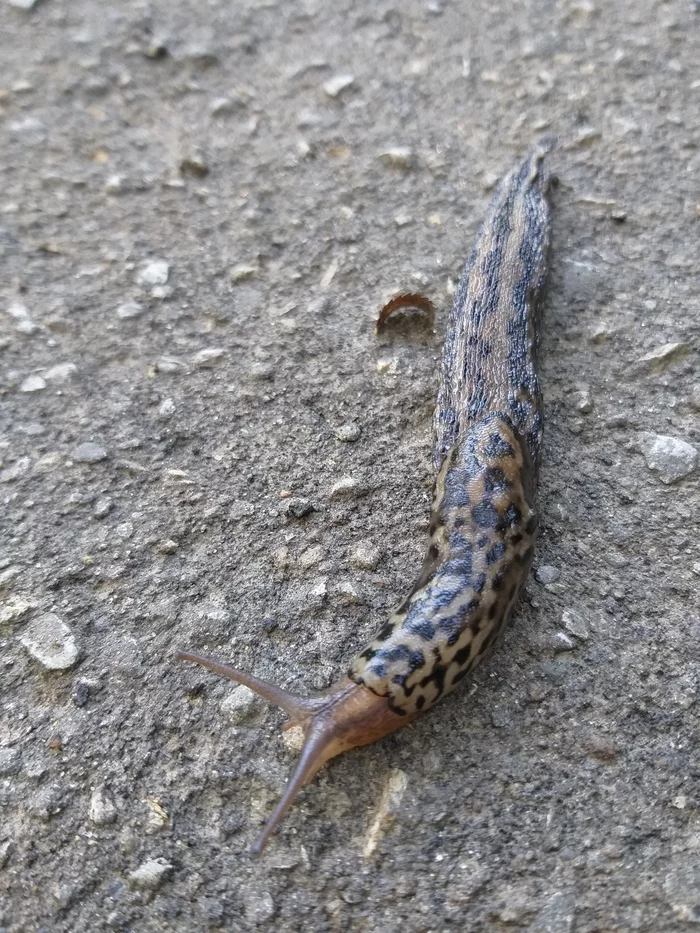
{"points": [[204, 446]]}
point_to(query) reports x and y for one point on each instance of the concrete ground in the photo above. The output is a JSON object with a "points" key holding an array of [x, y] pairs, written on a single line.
{"points": [[202, 208]]}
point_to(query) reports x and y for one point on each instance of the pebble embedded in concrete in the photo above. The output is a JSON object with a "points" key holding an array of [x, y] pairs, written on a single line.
{"points": [[671, 457], [547, 574], [238, 704], [151, 874], [259, 906], [299, 507], [9, 761], [102, 810], [398, 157], [347, 487], [576, 624], [347, 593], [102, 507], [62, 372], [348, 432], [195, 164], [33, 383], [365, 557], [130, 309], [50, 642], [15, 470], [242, 272], [156, 272], [334, 86], [89, 452], [14, 608], [209, 357], [166, 409], [661, 358]]}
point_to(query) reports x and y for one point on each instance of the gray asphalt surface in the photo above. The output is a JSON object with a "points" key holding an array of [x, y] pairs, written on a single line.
{"points": [[202, 207]]}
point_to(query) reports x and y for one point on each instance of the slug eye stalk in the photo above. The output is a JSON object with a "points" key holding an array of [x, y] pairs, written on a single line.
{"points": [[347, 716]]}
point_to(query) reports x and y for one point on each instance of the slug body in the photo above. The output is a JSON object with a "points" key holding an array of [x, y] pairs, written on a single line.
{"points": [[488, 435]]}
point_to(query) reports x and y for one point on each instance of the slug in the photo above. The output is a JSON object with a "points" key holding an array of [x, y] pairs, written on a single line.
{"points": [[488, 437]]}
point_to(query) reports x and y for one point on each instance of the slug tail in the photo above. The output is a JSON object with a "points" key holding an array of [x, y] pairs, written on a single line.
{"points": [[348, 716]]}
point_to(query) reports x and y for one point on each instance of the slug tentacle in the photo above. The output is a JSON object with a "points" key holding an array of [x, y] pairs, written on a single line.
{"points": [[347, 716]]}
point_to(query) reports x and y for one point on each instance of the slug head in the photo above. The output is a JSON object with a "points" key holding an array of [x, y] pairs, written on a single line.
{"points": [[347, 716]]}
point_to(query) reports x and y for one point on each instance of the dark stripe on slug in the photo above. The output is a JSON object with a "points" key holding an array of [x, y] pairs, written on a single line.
{"points": [[495, 480], [495, 554], [421, 627], [512, 517], [497, 447], [485, 514]]}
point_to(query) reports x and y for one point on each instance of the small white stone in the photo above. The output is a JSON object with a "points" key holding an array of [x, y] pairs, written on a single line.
{"points": [[102, 811], [575, 623], [156, 272], [347, 488], [62, 372], [259, 906], [18, 310], [16, 470], [311, 557], [238, 704], [400, 157], [22, 4], [116, 184], [317, 593], [365, 557], [151, 874], [130, 309], [49, 641], [168, 364], [671, 457], [26, 327], [662, 357], [562, 642], [347, 593], [348, 433], [8, 575], [546, 574], [388, 366], [584, 402], [89, 453], [223, 106], [166, 409], [242, 271], [293, 738], [33, 384], [14, 609], [209, 357], [338, 83], [48, 462]]}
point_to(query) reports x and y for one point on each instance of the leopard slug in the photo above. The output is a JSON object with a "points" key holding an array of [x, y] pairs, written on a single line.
{"points": [[488, 436]]}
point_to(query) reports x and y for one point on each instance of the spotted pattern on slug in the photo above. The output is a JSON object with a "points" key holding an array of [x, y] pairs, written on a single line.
{"points": [[482, 533], [488, 436]]}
